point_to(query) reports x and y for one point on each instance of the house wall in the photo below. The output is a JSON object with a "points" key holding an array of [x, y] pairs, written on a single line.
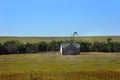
{"points": [[61, 50], [70, 50]]}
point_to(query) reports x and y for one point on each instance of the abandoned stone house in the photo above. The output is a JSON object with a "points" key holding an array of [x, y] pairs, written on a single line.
{"points": [[70, 49]]}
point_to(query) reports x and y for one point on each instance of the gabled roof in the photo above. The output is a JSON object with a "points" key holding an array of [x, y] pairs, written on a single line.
{"points": [[64, 45]]}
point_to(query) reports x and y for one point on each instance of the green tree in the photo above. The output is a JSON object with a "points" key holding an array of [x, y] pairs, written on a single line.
{"points": [[109, 39], [116, 47], [10, 46], [2, 50], [42, 46], [31, 48], [21, 48], [84, 46], [51, 46]]}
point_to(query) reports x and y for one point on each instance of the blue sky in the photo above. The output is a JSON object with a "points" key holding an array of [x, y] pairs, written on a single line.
{"points": [[59, 17]]}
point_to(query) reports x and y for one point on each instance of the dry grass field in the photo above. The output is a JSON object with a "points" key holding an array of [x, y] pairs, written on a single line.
{"points": [[86, 66], [48, 39]]}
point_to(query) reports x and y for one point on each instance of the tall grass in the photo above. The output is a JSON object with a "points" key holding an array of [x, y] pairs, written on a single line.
{"points": [[87, 66], [92, 75]]}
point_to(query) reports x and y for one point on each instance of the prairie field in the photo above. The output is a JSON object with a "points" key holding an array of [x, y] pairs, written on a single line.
{"points": [[47, 66], [48, 39]]}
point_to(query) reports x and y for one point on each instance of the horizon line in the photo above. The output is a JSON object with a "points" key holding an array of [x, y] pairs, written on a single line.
{"points": [[66, 36]]}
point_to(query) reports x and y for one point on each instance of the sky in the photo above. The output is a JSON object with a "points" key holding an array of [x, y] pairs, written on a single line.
{"points": [[59, 17]]}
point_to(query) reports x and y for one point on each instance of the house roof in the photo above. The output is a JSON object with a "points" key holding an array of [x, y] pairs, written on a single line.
{"points": [[64, 45]]}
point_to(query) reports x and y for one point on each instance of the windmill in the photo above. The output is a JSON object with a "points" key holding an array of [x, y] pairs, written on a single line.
{"points": [[74, 34]]}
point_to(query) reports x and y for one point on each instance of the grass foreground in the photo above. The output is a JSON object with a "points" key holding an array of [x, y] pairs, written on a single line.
{"points": [[86, 66]]}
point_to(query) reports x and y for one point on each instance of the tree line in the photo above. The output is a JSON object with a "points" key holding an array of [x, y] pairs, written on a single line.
{"points": [[16, 47]]}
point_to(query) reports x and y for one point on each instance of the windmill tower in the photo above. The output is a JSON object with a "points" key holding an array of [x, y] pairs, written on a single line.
{"points": [[73, 37]]}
